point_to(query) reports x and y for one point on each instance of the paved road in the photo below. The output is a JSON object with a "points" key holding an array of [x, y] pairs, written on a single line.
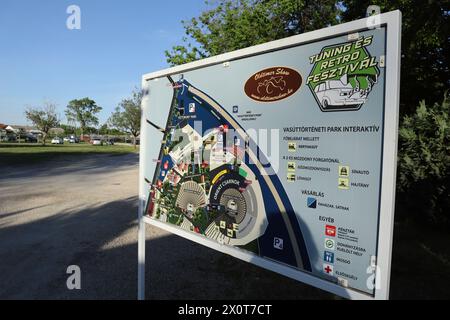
{"points": [[83, 212]]}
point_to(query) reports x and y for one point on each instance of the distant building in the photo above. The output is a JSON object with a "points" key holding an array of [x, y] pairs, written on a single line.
{"points": [[11, 129], [2, 130], [12, 132], [28, 129], [35, 131]]}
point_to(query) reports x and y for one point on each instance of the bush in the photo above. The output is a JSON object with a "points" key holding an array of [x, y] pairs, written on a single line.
{"points": [[423, 182]]}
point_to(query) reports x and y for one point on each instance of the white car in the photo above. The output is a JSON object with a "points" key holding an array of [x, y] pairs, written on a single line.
{"points": [[97, 142], [57, 140], [336, 93]]}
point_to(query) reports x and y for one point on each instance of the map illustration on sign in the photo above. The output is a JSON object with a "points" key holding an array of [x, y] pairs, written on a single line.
{"points": [[209, 180]]}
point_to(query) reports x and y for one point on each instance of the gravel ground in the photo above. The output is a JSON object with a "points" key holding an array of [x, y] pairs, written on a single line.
{"points": [[83, 212]]}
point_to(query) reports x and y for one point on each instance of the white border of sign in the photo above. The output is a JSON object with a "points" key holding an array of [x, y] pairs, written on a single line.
{"points": [[392, 20]]}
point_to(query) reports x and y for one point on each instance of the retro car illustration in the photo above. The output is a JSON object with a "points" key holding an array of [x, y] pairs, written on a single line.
{"points": [[337, 93]]}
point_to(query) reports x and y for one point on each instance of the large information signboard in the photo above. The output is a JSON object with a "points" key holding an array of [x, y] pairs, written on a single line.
{"points": [[282, 154]]}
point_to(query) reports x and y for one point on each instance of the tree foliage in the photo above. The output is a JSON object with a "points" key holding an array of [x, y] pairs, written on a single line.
{"points": [[43, 118], [234, 24], [424, 161], [127, 116], [83, 112]]}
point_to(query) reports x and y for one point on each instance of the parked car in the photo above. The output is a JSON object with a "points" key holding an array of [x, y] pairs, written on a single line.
{"points": [[9, 138], [31, 138], [97, 142], [57, 140], [66, 139], [110, 142], [73, 139]]}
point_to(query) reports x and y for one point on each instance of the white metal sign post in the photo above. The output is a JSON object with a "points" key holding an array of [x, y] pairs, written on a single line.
{"points": [[282, 155]]}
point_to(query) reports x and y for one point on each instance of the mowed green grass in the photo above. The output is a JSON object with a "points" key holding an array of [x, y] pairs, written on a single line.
{"points": [[28, 153]]}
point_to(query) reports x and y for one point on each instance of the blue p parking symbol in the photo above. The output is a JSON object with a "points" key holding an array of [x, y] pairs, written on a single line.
{"points": [[278, 243]]}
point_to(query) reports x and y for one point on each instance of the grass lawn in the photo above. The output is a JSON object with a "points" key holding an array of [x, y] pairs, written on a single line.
{"points": [[26, 153]]}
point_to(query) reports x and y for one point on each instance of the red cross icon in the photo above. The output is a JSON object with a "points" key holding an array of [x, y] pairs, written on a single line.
{"points": [[328, 269]]}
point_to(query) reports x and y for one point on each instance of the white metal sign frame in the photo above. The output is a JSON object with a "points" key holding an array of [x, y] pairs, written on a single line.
{"points": [[392, 21]]}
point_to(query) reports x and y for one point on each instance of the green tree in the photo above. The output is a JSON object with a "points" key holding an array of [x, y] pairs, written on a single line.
{"points": [[83, 112], [424, 162], [43, 118], [425, 46], [236, 24], [68, 130], [127, 116], [103, 129]]}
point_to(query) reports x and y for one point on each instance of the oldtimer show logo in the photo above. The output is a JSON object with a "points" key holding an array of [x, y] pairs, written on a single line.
{"points": [[273, 84]]}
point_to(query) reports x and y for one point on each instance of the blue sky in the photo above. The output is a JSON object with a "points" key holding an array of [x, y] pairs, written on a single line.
{"points": [[40, 59]]}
